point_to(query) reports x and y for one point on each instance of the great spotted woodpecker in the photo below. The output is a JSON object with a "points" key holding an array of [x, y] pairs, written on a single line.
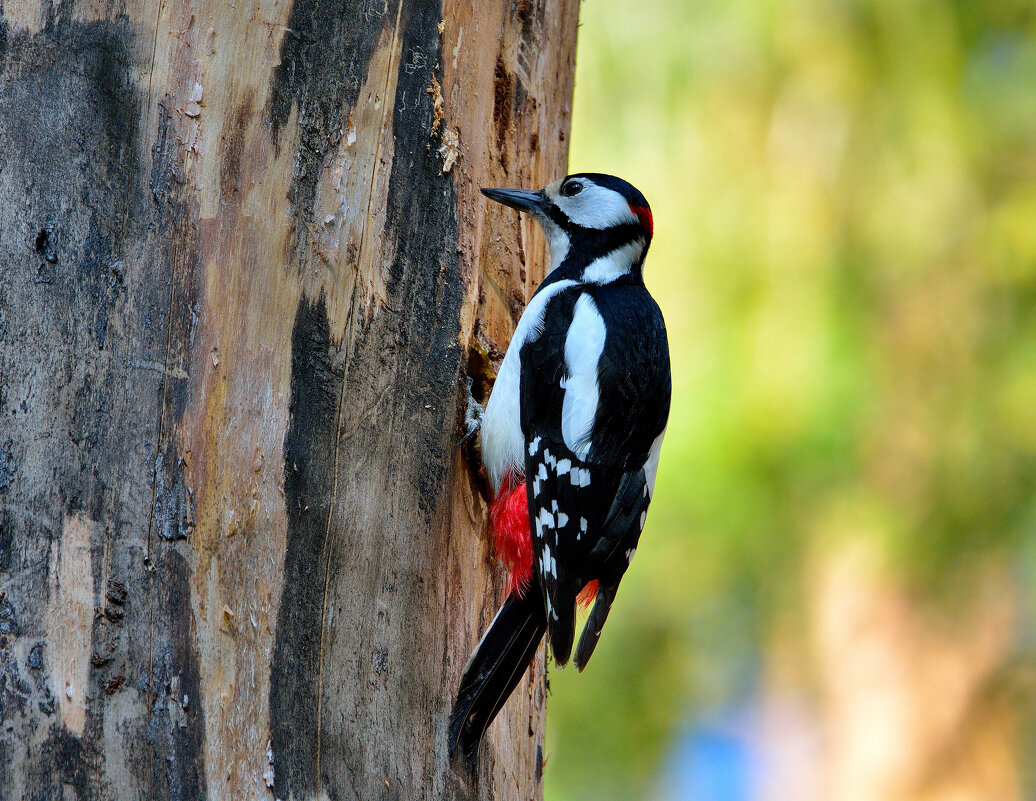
{"points": [[570, 436]]}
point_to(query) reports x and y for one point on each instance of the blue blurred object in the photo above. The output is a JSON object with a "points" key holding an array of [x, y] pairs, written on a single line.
{"points": [[713, 761]]}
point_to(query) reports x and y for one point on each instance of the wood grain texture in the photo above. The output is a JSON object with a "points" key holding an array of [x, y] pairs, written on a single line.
{"points": [[245, 267]]}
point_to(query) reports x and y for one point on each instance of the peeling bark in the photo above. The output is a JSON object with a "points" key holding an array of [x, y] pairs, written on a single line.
{"points": [[245, 268]]}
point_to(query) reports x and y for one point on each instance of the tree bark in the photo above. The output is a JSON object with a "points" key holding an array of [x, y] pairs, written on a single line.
{"points": [[245, 268]]}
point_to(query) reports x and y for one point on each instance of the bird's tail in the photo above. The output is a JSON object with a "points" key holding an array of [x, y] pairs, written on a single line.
{"points": [[494, 670]]}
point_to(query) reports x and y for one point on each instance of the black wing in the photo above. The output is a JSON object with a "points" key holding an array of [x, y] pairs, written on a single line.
{"points": [[586, 511]]}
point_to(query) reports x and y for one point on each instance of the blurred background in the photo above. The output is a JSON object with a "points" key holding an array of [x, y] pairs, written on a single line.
{"points": [[834, 597]]}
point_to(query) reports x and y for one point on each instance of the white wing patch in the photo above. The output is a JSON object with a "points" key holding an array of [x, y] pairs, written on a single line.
{"points": [[584, 345], [502, 438]]}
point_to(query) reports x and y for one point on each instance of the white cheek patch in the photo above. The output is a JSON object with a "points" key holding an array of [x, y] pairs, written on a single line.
{"points": [[597, 207]]}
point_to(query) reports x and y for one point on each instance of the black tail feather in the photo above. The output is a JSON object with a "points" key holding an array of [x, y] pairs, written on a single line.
{"points": [[562, 629], [594, 624], [494, 669]]}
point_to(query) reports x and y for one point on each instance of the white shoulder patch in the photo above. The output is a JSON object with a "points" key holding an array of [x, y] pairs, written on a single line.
{"points": [[584, 345], [503, 443]]}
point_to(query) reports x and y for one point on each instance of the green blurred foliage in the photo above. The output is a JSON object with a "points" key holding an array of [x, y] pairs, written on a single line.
{"points": [[845, 253]]}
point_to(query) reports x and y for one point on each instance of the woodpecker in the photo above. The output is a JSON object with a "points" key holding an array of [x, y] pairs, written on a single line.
{"points": [[571, 437]]}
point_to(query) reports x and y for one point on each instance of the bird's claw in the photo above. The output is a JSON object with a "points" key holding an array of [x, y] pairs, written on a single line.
{"points": [[472, 415]]}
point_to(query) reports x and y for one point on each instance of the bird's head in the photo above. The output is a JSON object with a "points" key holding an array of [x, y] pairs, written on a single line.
{"points": [[587, 217]]}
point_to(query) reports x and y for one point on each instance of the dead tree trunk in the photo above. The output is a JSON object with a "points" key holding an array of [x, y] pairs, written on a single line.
{"points": [[244, 267]]}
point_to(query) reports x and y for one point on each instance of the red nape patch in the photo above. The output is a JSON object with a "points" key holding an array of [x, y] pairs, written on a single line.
{"points": [[586, 597], [644, 215], [509, 517]]}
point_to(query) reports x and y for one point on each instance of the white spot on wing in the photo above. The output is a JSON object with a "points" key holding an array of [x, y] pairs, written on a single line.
{"points": [[534, 446], [580, 477], [562, 520], [564, 466]]}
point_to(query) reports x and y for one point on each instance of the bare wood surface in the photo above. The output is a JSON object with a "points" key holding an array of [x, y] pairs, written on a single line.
{"points": [[245, 266]]}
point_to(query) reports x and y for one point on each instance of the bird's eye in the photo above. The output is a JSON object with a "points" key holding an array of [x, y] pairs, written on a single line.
{"points": [[571, 188]]}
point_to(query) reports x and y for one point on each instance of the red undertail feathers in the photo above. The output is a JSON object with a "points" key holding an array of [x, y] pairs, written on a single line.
{"points": [[509, 517], [588, 594]]}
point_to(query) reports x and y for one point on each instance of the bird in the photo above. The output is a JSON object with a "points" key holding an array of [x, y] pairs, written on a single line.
{"points": [[570, 437]]}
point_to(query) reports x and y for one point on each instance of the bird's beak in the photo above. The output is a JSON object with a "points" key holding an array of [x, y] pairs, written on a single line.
{"points": [[521, 199]]}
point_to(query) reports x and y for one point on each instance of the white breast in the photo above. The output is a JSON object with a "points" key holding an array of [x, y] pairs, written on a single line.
{"points": [[503, 443]]}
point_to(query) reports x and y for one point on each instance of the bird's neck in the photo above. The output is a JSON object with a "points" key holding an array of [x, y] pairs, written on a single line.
{"points": [[605, 260]]}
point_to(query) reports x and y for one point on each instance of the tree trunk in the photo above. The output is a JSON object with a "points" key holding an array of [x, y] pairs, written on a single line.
{"points": [[245, 266]]}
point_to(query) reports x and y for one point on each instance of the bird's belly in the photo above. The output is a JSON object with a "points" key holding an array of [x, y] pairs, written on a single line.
{"points": [[502, 439]]}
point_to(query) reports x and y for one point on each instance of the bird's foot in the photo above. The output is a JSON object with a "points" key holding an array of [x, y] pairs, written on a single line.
{"points": [[473, 415]]}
